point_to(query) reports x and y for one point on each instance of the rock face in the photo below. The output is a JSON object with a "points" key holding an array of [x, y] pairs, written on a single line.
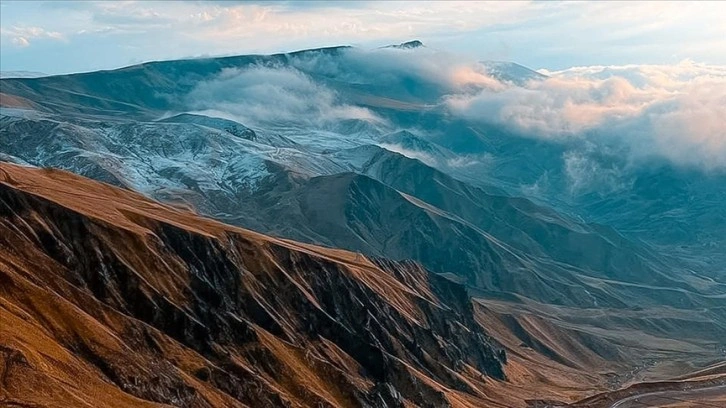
{"points": [[111, 299]]}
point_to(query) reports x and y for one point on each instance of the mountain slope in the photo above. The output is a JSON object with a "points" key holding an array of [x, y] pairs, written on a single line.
{"points": [[107, 290], [110, 299]]}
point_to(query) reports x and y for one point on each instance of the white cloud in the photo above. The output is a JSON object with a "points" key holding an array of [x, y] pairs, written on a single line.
{"points": [[274, 23], [21, 41], [677, 112], [691, 128], [273, 95], [586, 173], [22, 36], [444, 70], [672, 111]]}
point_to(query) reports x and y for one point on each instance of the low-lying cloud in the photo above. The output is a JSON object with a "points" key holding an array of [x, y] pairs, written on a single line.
{"points": [[677, 112], [429, 68], [292, 93], [273, 95]]}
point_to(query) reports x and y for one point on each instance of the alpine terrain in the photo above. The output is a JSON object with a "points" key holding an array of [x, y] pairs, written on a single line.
{"points": [[332, 227]]}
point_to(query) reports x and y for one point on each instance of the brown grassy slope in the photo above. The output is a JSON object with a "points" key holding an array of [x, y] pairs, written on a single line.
{"points": [[110, 299]]}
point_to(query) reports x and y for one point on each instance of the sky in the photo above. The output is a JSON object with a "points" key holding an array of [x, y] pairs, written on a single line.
{"points": [[55, 37]]}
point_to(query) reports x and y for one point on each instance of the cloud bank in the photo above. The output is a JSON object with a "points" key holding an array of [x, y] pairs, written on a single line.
{"points": [[672, 111], [273, 95], [295, 92]]}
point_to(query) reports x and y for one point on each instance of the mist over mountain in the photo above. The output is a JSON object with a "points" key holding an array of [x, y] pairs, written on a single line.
{"points": [[554, 196]]}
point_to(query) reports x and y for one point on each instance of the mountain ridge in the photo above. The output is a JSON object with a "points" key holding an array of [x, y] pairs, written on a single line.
{"points": [[204, 324]]}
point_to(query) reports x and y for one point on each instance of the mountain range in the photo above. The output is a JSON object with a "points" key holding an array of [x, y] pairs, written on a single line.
{"points": [[324, 147]]}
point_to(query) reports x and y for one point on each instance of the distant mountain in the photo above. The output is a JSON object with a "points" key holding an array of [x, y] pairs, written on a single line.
{"points": [[407, 45], [21, 74], [511, 72]]}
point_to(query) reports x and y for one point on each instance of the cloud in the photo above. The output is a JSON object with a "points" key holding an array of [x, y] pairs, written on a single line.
{"points": [[690, 129], [434, 72], [274, 95], [555, 107], [677, 112], [22, 36], [586, 171], [348, 22], [21, 41], [223, 25]]}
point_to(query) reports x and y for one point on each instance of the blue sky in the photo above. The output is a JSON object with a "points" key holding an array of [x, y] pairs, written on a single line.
{"points": [[61, 37]]}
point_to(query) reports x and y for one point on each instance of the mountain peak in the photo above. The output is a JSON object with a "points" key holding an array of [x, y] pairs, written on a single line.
{"points": [[408, 45], [511, 72]]}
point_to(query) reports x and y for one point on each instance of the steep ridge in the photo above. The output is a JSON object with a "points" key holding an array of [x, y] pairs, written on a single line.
{"points": [[110, 299], [529, 227]]}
